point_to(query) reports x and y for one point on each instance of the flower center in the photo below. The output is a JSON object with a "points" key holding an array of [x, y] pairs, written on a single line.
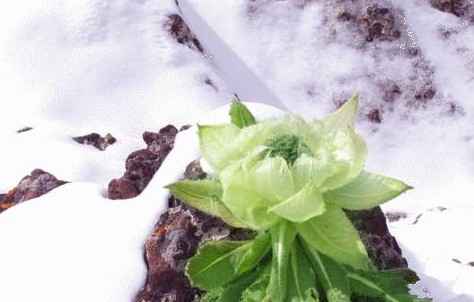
{"points": [[290, 147]]}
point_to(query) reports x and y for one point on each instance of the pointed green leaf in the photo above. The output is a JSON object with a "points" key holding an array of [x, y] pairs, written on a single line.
{"points": [[240, 115], [302, 281], [219, 262], [258, 291], [345, 116], [233, 291], [204, 195], [366, 191], [390, 286], [259, 247], [302, 206], [283, 236], [213, 295], [213, 266], [330, 274], [334, 235]]}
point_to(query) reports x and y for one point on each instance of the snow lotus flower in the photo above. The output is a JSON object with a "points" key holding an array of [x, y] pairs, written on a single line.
{"points": [[288, 170], [289, 180]]}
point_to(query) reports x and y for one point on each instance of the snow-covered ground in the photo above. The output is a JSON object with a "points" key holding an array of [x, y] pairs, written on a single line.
{"points": [[71, 67]]}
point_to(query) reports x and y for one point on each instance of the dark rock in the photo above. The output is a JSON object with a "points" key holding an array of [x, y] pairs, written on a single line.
{"points": [[382, 247], [179, 30], [141, 165], [174, 240], [2, 196], [122, 188], [345, 16], [24, 129], [194, 171], [459, 8], [375, 116], [395, 216], [425, 93], [96, 140], [34, 185], [391, 92], [161, 142], [379, 24], [436, 209]]}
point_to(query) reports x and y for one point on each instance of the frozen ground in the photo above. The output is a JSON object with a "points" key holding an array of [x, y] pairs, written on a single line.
{"points": [[72, 67]]}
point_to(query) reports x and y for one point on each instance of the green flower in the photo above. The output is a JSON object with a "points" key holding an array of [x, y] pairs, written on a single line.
{"points": [[290, 170], [280, 169], [291, 181]]}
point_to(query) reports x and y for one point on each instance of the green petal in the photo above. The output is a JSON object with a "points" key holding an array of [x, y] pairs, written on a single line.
{"points": [[334, 235], [302, 206], [223, 144], [252, 186], [204, 195], [366, 191], [250, 207], [308, 169], [344, 117], [272, 178], [348, 152], [214, 143]]}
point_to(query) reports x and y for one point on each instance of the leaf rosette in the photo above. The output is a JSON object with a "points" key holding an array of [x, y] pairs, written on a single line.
{"points": [[291, 181]]}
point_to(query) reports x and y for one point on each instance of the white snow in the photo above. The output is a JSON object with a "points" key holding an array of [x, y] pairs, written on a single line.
{"points": [[72, 67]]}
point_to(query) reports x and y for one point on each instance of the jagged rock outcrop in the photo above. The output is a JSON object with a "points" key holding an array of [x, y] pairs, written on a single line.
{"points": [[141, 165], [31, 186], [459, 8], [94, 139], [180, 32]]}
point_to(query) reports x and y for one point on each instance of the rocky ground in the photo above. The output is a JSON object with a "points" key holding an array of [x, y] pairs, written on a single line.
{"points": [[127, 66], [181, 229]]}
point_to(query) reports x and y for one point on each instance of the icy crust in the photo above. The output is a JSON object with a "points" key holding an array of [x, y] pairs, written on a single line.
{"points": [[73, 244]]}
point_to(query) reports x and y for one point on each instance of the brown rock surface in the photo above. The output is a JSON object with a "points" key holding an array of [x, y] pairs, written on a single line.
{"points": [[96, 140], [141, 165], [382, 247], [174, 240], [180, 31], [378, 23], [459, 8], [34, 185]]}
